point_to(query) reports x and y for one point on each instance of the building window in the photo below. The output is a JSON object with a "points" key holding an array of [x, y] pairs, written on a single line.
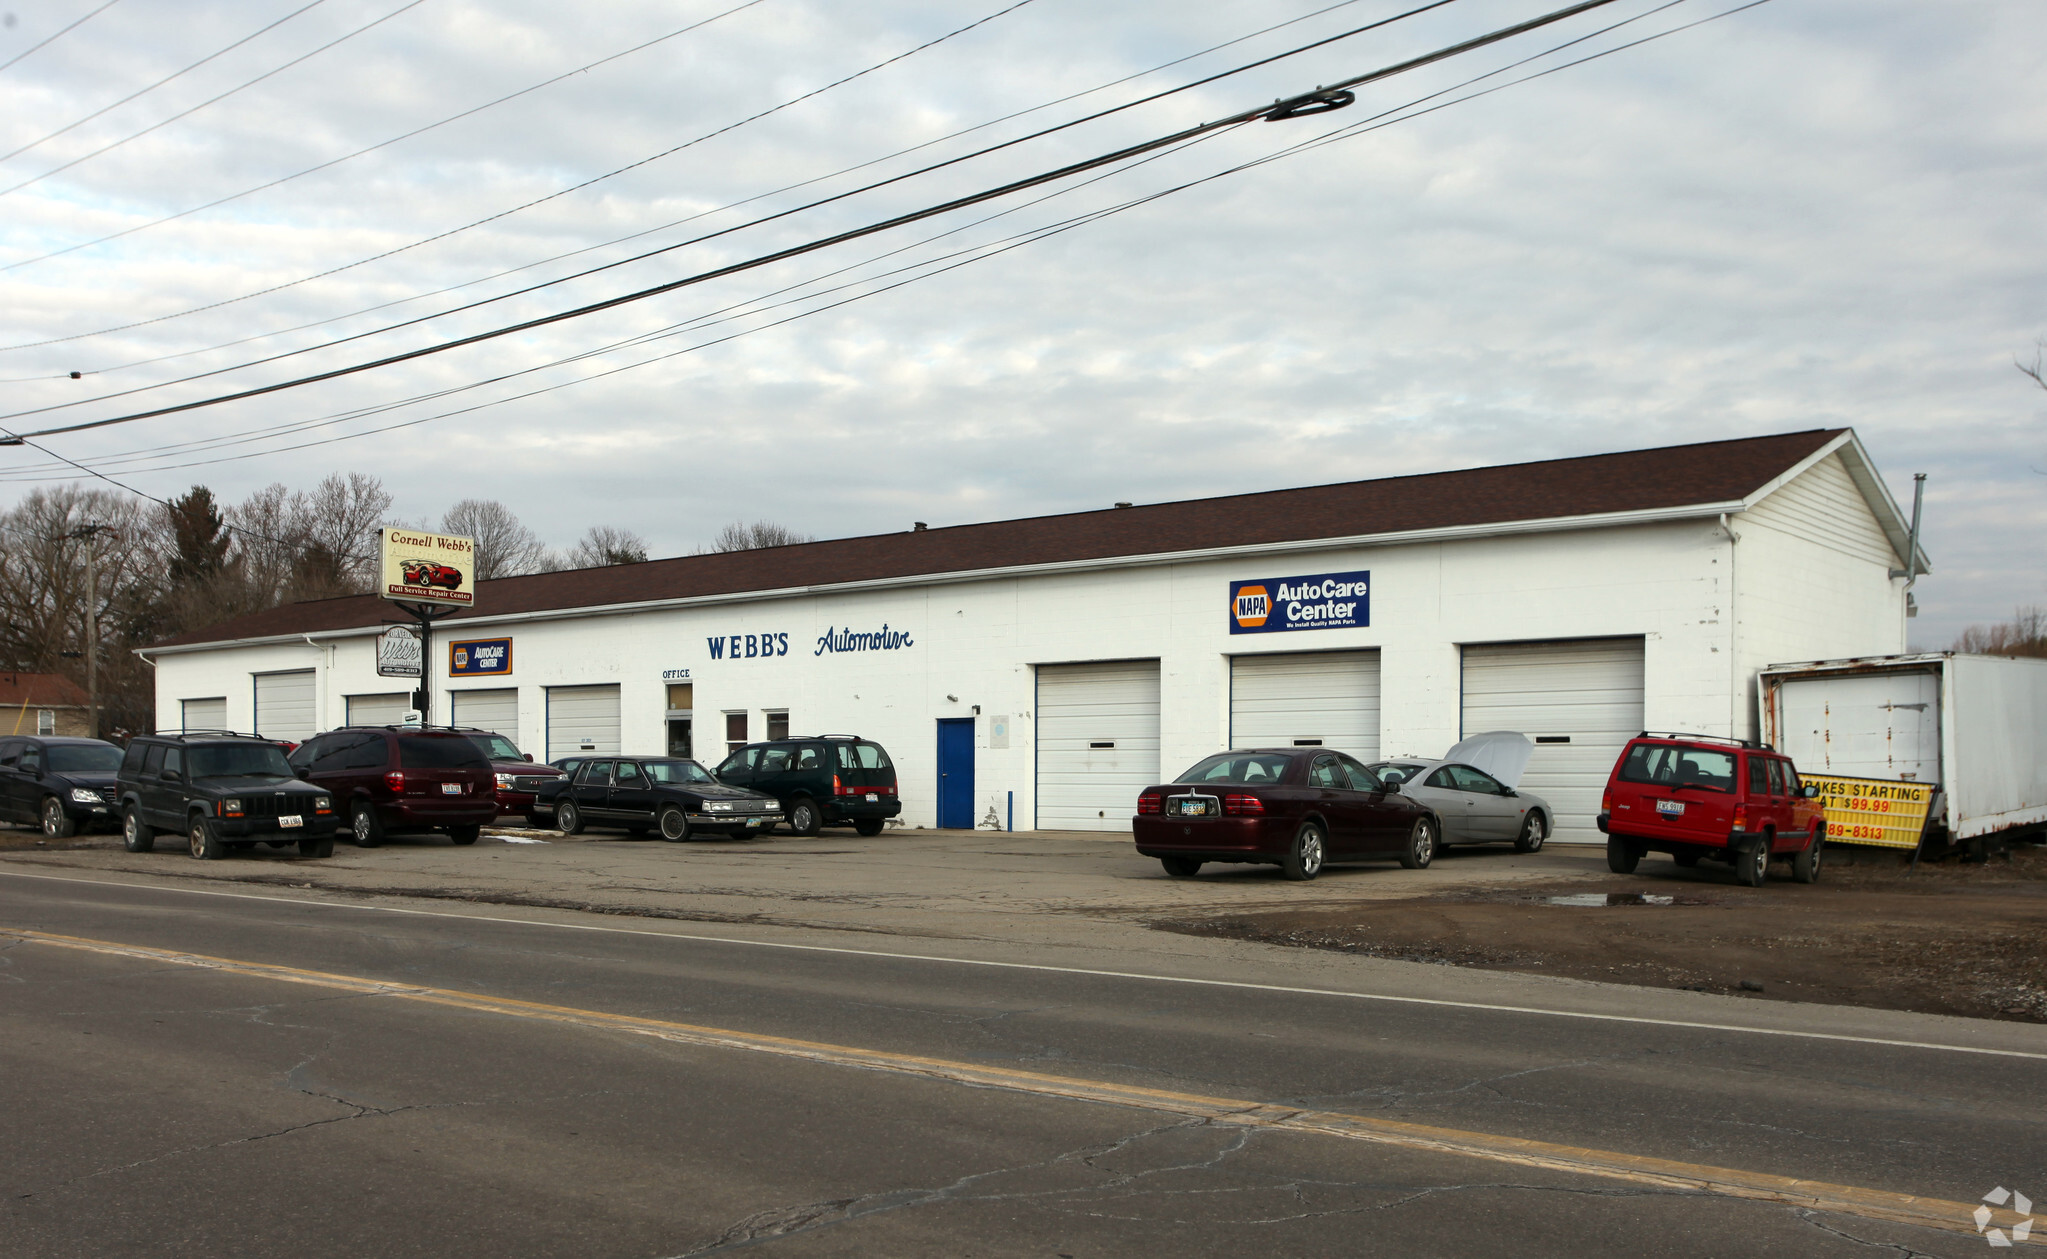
{"points": [[46, 721], [778, 724], [735, 732]]}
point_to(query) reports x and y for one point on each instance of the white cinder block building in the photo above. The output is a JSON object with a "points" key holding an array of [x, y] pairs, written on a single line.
{"points": [[1041, 671]]}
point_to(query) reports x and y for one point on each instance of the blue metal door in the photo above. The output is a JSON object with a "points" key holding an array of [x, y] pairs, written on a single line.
{"points": [[956, 773]]}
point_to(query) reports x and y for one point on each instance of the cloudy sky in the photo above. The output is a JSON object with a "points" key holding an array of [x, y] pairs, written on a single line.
{"points": [[1804, 214]]}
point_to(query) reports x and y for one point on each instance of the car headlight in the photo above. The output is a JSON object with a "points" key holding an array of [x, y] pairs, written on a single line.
{"points": [[719, 806], [325, 804], [231, 808], [504, 782], [86, 795]]}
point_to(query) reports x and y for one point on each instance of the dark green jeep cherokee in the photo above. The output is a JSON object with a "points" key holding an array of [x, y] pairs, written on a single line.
{"points": [[220, 791], [822, 780]]}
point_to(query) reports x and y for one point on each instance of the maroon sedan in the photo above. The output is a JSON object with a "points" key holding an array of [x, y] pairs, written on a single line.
{"points": [[1296, 808]]}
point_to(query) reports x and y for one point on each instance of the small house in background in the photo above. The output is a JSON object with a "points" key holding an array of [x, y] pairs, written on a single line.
{"points": [[42, 703]]}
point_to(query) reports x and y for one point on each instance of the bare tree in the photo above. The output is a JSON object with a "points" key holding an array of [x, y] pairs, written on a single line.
{"points": [[504, 547], [44, 594], [605, 545], [2024, 635], [740, 536]]}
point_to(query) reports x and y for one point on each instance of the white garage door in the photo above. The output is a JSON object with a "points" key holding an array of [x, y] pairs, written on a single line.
{"points": [[204, 714], [1098, 743], [285, 708], [1882, 725], [1580, 700], [387, 709], [1314, 699], [495, 710], [582, 720]]}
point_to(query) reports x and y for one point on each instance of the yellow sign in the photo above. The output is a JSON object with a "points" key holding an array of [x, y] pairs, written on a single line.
{"points": [[1874, 810], [427, 567]]}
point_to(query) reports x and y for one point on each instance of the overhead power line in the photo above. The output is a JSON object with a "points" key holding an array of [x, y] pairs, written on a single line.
{"points": [[211, 100], [619, 240], [1323, 98], [143, 91], [60, 33]]}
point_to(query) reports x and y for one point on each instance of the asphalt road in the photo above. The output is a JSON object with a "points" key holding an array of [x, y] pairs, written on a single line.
{"points": [[331, 1078]]}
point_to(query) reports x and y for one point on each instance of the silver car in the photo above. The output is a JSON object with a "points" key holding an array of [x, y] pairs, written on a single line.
{"points": [[1475, 807]]}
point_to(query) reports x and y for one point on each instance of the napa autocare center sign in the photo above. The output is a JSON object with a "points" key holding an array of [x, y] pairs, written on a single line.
{"points": [[1876, 811], [1270, 605]]}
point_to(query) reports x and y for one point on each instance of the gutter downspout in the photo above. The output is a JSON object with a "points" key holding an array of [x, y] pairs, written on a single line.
{"points": [[320, 671], [1911, 570], [1737, 693]]}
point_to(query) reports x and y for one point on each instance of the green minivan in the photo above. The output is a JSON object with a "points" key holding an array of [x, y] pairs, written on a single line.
{"points": [[822, 780]]}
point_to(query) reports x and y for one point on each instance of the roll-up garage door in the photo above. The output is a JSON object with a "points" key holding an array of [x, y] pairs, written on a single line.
{"points": [[1580, 700], [1098, 743], [204, 714], [1313, 699], [386, 709], [495, 710], [285, 708], [582, 720]]}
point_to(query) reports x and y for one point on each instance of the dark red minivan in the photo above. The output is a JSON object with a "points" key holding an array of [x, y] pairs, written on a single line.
{"points": [[400, 778], [1698, 797]]}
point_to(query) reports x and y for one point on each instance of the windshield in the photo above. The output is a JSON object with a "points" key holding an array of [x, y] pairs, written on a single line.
{"points": [[237, 760], [497, 747], [1663, 765], [677, 772], [1396, 772], [439, 751], [83, 758], [1239, 767]]}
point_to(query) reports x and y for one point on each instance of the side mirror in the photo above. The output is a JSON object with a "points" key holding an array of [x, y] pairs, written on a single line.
{"points": [[1811, 793], [1509, 792], [172, 776], [528, 756]]}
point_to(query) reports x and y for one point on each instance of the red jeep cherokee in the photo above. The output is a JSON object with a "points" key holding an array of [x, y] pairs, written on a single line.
{"points": [[1697, 796]]}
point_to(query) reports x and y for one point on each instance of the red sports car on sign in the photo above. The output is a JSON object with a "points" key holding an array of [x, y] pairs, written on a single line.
{"points": [[421, 573]]}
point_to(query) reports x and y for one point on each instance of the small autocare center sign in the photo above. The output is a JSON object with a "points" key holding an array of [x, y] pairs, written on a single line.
{"points": [[1276, 605]]}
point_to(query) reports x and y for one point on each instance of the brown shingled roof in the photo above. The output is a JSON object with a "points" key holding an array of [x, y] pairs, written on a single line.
{"points": [[1637, 480], [39, 690]]}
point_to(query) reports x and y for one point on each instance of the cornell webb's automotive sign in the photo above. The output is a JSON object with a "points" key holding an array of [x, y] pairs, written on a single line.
{"points": [[1317, 601], [427, 567]]}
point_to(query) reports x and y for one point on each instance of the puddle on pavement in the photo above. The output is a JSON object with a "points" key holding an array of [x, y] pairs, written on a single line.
{"points": [[1604, 900]]}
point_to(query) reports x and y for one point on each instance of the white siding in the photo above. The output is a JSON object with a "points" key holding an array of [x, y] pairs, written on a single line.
{"points": [[1325, 698], [1822, 506], [1098, 743], [204, 714], [285, 705], [1588, 691], [387, 708], [495, 710], [582, 720]]}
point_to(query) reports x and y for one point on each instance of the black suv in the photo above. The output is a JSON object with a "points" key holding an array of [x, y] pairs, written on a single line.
{"points": [[220, 791], [824, 780], [61, 785]]}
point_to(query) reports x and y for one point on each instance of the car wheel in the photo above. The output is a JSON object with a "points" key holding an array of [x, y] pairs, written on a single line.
{"points": [[57, 824], [464, 835], [674, 824], [1621, 856], [568, 819], [206, 846], [1181, 867], [805, 818], [1805, 867], [367, 830], [1421, 845], [1752, 867], [1304, 859], [1533, 832], [868, 826], [310, 847], [136, 837]]}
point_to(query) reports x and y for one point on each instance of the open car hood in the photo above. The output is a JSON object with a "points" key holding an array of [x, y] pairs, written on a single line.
{"points": [[1502, 753]]}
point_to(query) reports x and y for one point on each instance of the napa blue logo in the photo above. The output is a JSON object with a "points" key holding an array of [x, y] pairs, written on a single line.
{"points": [[1266, 605]]}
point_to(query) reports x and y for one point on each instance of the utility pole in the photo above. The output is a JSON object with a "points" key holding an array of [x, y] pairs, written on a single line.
{"points": [[92, 624]]}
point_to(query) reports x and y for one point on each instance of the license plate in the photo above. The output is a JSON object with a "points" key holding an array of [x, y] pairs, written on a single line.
{"points": [[1670, 808], [1193, 808], [290, 820], [754, 821], [451, 789], [872, 798]]}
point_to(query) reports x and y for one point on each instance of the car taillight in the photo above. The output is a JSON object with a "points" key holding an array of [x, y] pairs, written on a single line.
{"points": [[1740, 817], [1242, 804], [1606, 801], [395, 780], [1149, 802]]}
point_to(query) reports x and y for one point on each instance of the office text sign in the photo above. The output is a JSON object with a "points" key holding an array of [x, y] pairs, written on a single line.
{"points": [[1270, 605]]}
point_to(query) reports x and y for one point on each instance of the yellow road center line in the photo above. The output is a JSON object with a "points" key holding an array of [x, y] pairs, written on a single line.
{"points": [[1663, 1173]]}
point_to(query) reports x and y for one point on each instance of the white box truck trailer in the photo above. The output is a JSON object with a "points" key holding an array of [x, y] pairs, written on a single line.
{"points": [[1974, 726]]}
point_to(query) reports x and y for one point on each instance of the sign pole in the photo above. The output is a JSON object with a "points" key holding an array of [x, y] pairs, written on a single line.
{"points": [[431, 575]]}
